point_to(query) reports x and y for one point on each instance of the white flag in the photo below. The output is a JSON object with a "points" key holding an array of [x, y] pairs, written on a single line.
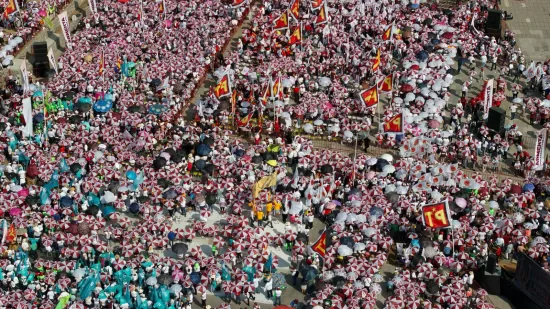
{"points": [[66, 27], [51, 57], [24, 75], [93, 6]]}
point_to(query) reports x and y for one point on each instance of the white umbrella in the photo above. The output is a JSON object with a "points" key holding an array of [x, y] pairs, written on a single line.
{"points": [[388, 157], [348, 134], [308, 128], [109, 197], [401, 190], [493, 204], [318, 122], [324, 81], [371, 161], [359, 247], [288, 82], [388, 169], [6, 62], [518, 100], [397, 100], [344, 250], [369, 232], [285, 115]]}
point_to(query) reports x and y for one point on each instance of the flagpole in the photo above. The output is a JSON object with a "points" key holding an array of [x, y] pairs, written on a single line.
{"points": [[354, 160]]}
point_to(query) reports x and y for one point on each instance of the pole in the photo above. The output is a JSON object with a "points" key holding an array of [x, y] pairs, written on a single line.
{"points": [[354, 160], [453, 237]]}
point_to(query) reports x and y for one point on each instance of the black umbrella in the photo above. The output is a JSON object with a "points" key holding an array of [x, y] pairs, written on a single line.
{"points": [[327, 169], [159, 163], [208, 141], [136, 109], [210, 198], [427, 21], [199, 165], [302, 237], [68, 96], [82, 107], [380, 164], [32, 200], [209, 168], [339, 281], [257, 160], [179, 248], [165, 279], [163, 182], [348, 241], [432, 287], [269, 156], [170, 194], [203, 149], [134, 208], [392, 197], [429, 48], [171, 151], [75, 167], [75, 119], [155, 83], [92, 210]]}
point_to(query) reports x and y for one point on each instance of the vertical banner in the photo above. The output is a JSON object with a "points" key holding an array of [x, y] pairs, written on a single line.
{"points": [[51, 57], [66, 27], [27, 113], [436, 216], [24, 75], [487, 98], [540, 149], [93, 6]]}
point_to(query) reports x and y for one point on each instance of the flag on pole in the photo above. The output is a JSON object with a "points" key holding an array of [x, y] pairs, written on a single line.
{"points": [[296, 36], [386, 84], [436, 215], [263, 183], [395, 124], [281, 22], [233, 102], [12, 7], [102, 63], [162, 6], [388, 33], [322, 18], [376, 63], [238, 3], [223, 88], [316, 4], [243, 122], [320, 246], [140, 14], [277, 90], [369, 97], [295, 9], [51, 58], [266, 94], [12, 233]]}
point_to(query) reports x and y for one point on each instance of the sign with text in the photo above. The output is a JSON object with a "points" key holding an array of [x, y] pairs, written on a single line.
{"points": [[487, 98], [540, 149], [65, 27], [532, 280], [436, 216]]}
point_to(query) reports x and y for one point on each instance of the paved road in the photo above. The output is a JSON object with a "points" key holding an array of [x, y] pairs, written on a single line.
{"points": [[531, 25]]}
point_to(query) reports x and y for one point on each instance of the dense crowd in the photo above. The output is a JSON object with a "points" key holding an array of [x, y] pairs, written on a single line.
{"points": [[108, 201]]}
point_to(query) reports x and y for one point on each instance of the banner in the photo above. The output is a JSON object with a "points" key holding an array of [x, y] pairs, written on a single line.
{"points": [[66, 27], [27, 114], [24, 75], [436, 216], [487, 97], [320, 246], [265, 182], [540, 149], [12, 7], [530, 71], [51, 57], [93, 6], [532, 280], [395, 124]]}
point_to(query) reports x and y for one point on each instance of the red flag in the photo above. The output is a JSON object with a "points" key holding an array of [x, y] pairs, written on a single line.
{"points": [[322, 17], [102, 63], [281, 22], [296, 36], [237, 3], [266, 95], [395, 124], [12, 233], [320, 246], [162, 6], [245, 120], [386, 84], [11, 8], [233, 101], [436, 215], [369, 97], [315, 4], [277, 90], [223, 88], [295, 9], [376, 63], [387, 35]]}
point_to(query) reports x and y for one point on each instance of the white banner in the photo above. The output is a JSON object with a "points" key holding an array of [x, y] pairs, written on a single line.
{"points": [[66, 27], [540, 149], [93, 6], [51, 57], [530, 71], [27, 113], [24, 75], [487, 98]]}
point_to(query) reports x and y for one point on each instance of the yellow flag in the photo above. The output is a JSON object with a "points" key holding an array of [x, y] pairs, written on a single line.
{"points": [[264, 182]]}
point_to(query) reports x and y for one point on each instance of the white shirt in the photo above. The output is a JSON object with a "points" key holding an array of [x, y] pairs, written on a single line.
{"points": [[513, 108]]}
